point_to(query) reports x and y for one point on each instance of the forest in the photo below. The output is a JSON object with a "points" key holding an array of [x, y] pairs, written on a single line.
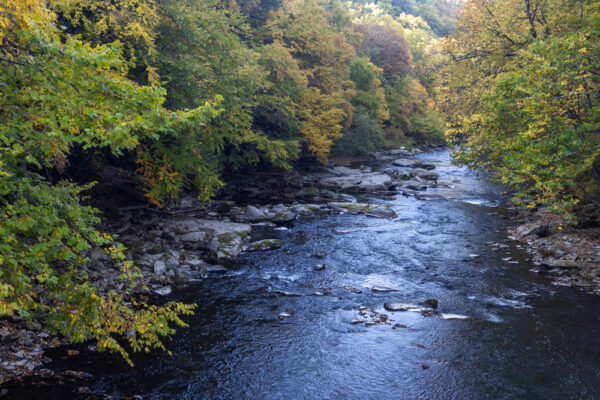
{"points": [[176, 95]]}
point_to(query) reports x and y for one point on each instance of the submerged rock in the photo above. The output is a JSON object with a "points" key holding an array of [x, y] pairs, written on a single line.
{"points": [[265, 244], [396, 306], [216, 269], [319, 267], [383, 289], [163, 291], [454, 316], [353, 289], [432, 303]]}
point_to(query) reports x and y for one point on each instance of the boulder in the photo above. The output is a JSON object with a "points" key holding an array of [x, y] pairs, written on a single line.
{"points": [[358, 182], [253, 214], [533, 228], [396, 306], [265, 244], [160, 268]]}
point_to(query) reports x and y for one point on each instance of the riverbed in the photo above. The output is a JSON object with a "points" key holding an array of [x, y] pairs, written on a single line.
{"points": [[276, 327]]}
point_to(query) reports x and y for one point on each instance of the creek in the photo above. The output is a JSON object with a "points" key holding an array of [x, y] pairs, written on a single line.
{"points": [[273, 327]]}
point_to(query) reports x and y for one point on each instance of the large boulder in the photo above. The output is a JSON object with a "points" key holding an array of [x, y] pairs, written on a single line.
{"points": [[359, 181], [533, 228]]}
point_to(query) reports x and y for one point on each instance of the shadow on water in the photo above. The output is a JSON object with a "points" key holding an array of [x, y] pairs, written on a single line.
{"points": [[523, 338]]}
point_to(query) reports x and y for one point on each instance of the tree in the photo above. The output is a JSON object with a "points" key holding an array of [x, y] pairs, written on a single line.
{"points": [[531, 112], [60, 93], [387, 48]]}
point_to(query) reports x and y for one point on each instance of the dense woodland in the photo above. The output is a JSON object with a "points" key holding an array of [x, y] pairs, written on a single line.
{"points": [[173, 92]]}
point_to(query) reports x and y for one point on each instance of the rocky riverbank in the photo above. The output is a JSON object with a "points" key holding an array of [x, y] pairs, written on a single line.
{"points": [[187, 242], [568, 254]]}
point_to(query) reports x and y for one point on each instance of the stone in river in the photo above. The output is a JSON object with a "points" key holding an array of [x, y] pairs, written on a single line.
{"points": [[353, 289], [454, 316], [163, 291], [401, 307], [319, 267], [286, 293], [253, 214], [216, 268], [431, 303], [357, 321], [284, 315], [383, 289]]}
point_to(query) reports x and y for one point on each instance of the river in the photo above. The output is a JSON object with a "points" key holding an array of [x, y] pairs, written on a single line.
{"points": [[523, 339]]}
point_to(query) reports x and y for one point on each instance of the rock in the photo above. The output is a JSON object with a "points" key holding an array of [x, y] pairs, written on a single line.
{"points": [[310, 191], [222, 227], [284, 315], [560, 263], [347, 197], [20, 354], [403, 163], [431, 303], [383, 289], [283, 217], [533, 228], [253, 214], [372, 210], [352, 289], [225, 246], [358, 181], [344, 231], [172, 260], [427, 175], [302, 210], [319, 267], [401, 307], [357, 321], [163, 291], [160, 267], [98, 255], [381, 212], [265, 244], [472, 255], [193, 237], [216, 269], [454, 316], [414, 185], [425, 366], [424, 165], [288, 294]]}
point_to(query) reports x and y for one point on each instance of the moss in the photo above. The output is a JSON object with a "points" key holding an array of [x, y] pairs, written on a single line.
{"points": [[356, 206], [311, 191]]}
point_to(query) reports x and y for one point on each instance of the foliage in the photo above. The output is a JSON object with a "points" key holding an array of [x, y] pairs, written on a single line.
{"points": [[388, 49], [242, 84], [363, 137], [132, 22], [316, 35], [60, 93], [534, 116], [412, 113], [201, 55]]}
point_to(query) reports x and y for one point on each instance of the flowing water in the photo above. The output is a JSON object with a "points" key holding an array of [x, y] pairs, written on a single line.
{"points": [[524, 339]]}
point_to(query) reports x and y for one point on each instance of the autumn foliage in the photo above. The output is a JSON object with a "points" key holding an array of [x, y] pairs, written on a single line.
{"points": [[174, 92]]}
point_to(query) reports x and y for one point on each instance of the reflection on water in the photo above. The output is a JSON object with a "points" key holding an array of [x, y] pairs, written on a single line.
{"points": [[522, 339]]}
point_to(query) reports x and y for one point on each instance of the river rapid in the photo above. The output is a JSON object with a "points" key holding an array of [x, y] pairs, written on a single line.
{"points": [[273, 327]]}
